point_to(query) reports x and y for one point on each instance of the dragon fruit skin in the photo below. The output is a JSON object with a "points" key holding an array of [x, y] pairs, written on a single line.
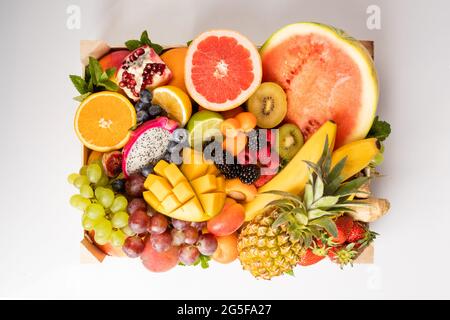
{"points": [[139, 150]]}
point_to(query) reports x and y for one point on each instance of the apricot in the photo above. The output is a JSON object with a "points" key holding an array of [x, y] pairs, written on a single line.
{"points": [[227, 221], [113, 60], [174, 59], [230, 128], [226, 251], [236, 189], [235, 145], [93, 156], [247, 121], [159, 261]]}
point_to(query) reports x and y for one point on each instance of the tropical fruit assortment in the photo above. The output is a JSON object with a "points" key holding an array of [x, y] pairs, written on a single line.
{"points": [[218, 150]]}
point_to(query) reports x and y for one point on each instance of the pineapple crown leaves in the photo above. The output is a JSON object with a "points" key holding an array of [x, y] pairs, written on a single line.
{"points": [[325, 197], [95, 79]]}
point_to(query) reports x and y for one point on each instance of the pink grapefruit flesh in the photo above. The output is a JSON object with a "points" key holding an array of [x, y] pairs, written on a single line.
{"points": [[326, 75], [222, 70]]}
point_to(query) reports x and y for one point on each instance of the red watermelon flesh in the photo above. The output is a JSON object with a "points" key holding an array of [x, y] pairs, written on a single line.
{"points": [[324, 80]]}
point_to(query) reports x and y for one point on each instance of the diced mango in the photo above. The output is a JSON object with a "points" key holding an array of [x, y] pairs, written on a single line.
{"points": [[204, 184], [150, 198], [212, 203], [173, 174], [220, 184], [170, 203], [159, 168], [183, 191], [151, 178], [190, 211], [194, 171], [160, 187], [212, 169]]}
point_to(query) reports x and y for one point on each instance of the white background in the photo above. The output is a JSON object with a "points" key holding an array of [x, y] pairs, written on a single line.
{"points": [[40, 232]]}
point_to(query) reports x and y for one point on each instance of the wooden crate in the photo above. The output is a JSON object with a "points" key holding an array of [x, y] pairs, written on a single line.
{"points": [[89, 253]]}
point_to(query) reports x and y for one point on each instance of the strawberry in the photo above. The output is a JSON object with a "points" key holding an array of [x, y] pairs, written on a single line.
{"points": [[360, 235], [309, 258], [344, 225]]}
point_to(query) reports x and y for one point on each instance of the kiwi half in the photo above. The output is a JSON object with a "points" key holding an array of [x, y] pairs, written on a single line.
{"points": [[268, 104], [290, 140]]}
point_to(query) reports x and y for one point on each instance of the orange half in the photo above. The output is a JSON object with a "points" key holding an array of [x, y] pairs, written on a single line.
{"points": [[103, 121]]}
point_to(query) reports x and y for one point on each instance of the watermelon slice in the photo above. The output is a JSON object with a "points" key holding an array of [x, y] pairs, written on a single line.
{"points": [[327, 75]]}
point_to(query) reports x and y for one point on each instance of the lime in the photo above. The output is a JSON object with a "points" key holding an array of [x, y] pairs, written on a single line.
{"points": [[203, 126]]}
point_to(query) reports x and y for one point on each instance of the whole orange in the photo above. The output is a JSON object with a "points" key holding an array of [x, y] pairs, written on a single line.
{"points": [[174, 59]]}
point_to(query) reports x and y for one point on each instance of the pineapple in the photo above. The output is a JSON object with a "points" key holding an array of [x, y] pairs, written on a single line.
{"points": [[272, 243]]}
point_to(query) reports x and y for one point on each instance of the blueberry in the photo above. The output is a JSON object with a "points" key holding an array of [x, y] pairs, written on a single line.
{"points": [[118, 185], [179, 135], [148, 169], [142, 116], [140, 105], [154, 110], [146, 96]]}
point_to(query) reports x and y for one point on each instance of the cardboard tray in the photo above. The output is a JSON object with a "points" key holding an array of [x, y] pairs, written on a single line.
{"points": [[89, 252]]}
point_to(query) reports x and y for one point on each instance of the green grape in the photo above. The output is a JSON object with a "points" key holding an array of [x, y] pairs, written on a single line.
{"points": [[118, 238], [104, 181], [94, 172], [103, 228], [106, 197], [101, 240], [83, 170], [95, 211], [127, 230], [379, 158], [99, 192], [120, 204], [120, 220], [71, 178], [80, 181], [79, 202], [87, 223], [86, 191]]}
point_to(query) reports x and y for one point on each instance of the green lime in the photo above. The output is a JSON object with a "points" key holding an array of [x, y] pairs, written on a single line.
{"points": [[203, 126]]}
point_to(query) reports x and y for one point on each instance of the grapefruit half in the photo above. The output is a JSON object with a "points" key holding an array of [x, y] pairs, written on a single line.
{"points": [[222, 69], [327, 75]]}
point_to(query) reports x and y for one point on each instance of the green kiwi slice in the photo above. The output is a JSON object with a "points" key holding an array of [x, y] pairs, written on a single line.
{"points": [[268, 104], [290, 140]]}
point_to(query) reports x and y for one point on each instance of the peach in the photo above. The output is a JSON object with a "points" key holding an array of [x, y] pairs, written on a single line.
{"points": [[113, 60], [236, 189], [227, 221], [159, 261], [226, 251], [247, 121], [230, 127]]}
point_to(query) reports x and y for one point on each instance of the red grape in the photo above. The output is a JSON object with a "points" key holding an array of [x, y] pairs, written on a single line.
{"points": [[139, 221], [191, 235], [177, 237], [158, 224], [161, 242], [198, 225], [136, 204], [207, 244], [134, 186], [188, 255], [133, 247], [179, 224]]}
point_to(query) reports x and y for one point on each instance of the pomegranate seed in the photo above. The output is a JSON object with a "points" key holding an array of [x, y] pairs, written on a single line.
{"points": [[140, 52], [121, 84]]}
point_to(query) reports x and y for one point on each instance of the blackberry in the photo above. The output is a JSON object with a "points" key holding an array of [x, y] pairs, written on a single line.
{"points": [[230, 171], [249, 173], [253, 142]]}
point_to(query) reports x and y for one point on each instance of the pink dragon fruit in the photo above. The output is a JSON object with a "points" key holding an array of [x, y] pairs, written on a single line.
{"points": [[147, 144]]}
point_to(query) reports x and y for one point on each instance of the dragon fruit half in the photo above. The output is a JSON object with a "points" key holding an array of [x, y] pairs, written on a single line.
{"points": [[147, 144]]}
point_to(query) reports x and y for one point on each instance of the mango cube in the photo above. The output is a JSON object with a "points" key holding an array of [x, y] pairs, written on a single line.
{"points": [[183, 191], [212, 169], [159, 168], [150, 198], [204, 184], [170, 203], [212, 203], [173, 174], [194, 171], [159, 186], [220, 181]]}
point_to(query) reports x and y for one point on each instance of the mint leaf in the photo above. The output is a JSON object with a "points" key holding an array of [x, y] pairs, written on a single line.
{"points": [[79, 83], [104, 77], [204, 261], [111, 72], [82, 97], [109, 85], [132, 44], [158, 48], [95, 69], [144, 38], [380, 129], [189, 42]]}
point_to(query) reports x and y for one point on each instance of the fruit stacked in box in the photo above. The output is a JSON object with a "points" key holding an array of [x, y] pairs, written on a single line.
{"points": [[218, 150]]}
